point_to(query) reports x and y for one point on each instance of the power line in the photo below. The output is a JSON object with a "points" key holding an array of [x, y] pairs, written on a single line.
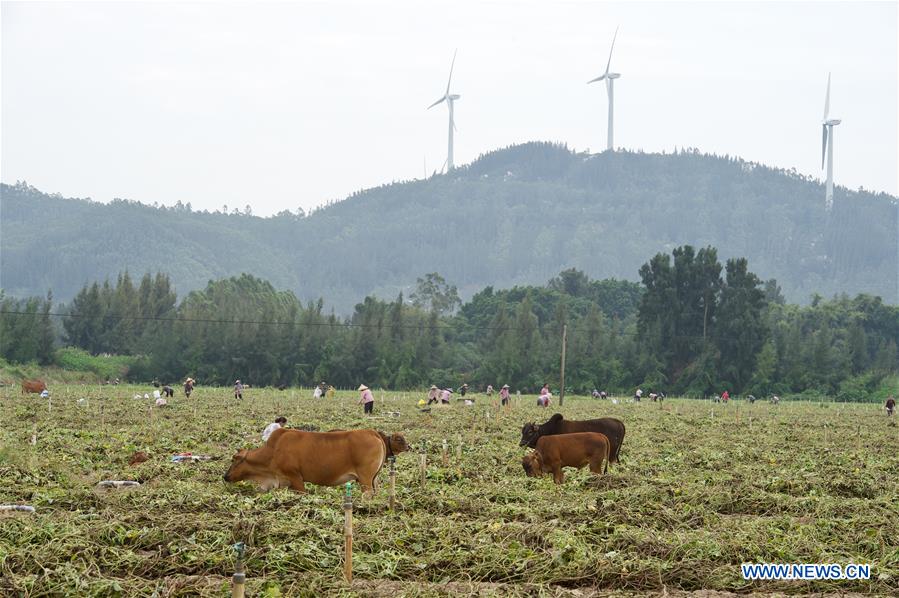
{"points": [[382, 326]]}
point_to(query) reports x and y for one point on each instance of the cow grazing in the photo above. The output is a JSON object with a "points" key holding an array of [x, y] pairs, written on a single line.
{"points": [[395, 444], [567, 450], [611, 427], [33, 386], [290, 458]]}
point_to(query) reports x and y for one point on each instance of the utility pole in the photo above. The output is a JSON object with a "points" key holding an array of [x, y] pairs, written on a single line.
{"points": [[564, 342]]}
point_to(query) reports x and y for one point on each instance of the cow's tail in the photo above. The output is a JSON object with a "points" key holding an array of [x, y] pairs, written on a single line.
{"points": [[616, 458], [381, 462]]}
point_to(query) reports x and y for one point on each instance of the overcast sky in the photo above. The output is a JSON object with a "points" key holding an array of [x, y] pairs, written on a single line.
{"points": [[290, 105]]}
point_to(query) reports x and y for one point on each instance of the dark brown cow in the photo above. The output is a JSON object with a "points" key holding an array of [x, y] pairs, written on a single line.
{"points": [[567, 450], [611, 427], [33, 386], [290, 458]]}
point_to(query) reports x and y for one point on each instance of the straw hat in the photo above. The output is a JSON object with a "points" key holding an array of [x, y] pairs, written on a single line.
{"points": [[433, 387], [505, 386], [362, 387], [465, 385]]}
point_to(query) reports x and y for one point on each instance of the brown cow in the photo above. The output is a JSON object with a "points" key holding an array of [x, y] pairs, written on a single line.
{"points": [[395, 444], [290, 458], [33, 386], [567, 450], [611, 427]]}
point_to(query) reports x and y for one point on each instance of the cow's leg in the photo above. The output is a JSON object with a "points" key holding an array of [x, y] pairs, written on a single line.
{"points": [[558, 476], [297, 484], [369, 484]]}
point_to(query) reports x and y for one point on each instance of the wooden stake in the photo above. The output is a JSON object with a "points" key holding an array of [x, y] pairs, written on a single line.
{"points": [[445, 455], [239, 579], [348, 533], [562, 386], [423, 466], [458, 447], [392, 496]]}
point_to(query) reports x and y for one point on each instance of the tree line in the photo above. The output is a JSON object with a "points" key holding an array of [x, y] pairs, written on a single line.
{"points": [[693, 325]]}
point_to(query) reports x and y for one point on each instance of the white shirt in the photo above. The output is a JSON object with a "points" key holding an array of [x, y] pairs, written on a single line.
{"points": [[269, 429], [317, 393]]}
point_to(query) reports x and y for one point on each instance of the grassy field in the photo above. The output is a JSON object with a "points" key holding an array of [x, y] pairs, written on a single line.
{"points": [[701, 489]]}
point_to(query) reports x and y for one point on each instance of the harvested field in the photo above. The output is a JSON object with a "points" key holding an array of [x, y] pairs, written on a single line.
{"points": [[701, 489]]}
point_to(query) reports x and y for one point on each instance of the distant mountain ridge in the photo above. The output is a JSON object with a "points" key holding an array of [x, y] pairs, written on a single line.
{"points": [[514, 216]]}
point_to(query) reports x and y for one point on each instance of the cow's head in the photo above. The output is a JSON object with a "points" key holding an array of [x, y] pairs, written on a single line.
{"points": [[532, 464], [239, 469], [529, 435], [398, 443]]}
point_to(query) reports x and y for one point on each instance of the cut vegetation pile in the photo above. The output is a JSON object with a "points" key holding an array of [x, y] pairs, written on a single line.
{"points": [[701, 489]]}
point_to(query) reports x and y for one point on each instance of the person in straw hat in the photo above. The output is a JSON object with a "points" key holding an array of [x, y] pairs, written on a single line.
{"points": [[504, 394], [189, 386], [433, 394], [367, 400]]}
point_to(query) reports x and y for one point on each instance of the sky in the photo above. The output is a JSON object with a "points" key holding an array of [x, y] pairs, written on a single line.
{"points": [[287, 105]]}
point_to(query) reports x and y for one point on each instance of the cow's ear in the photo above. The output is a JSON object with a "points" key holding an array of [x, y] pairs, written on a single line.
{"points": [[556, 417]]}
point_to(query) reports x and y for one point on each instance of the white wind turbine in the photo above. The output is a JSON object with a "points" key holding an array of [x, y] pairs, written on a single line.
{"points": [[827, 145], [610, 89], [449, 99]]}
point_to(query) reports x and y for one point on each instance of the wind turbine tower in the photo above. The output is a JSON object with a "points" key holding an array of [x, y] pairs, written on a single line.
{"points": [[827, 125], [449, 98], [609, 78]]}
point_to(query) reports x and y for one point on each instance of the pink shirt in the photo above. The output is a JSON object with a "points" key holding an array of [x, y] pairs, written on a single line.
{"points": [[504, 393], [445, 396], [367, 397]]}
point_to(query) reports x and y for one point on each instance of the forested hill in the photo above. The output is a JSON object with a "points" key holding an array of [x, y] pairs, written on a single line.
{"points": [[514, 216]]}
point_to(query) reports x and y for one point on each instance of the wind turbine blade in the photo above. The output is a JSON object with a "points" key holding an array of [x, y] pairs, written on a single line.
{"points": [[600, 78], [453, 64], [823, 144], [441, 100], [609, 63], [827, 98]]}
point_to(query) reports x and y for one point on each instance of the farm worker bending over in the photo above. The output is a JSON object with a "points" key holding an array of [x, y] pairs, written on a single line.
{"points": [[725, 397], [544, 399], [318, 392], [890, 405], [272, 427], [445, 396], [238, 389], [367, 400], [433, 393]]}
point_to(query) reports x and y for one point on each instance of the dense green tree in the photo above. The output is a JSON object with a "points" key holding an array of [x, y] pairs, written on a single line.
{"points": [[740, 330]]}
